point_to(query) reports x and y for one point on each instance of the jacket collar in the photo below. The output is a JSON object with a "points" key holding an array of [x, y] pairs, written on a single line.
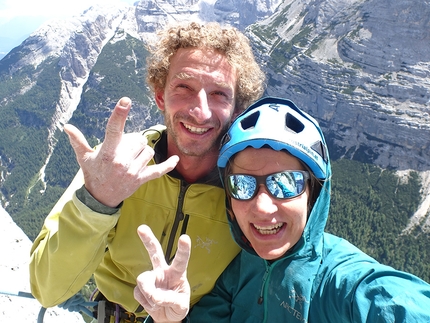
{"points": [[160, 148]]}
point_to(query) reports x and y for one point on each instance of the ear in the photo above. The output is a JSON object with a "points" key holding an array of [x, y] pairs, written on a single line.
{"points": [[159, 99], [234, 115]]}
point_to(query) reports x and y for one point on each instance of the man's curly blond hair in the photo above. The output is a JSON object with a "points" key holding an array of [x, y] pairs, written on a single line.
{"points": [[225, 40]]}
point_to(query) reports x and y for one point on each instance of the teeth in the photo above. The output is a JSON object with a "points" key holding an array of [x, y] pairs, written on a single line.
{"points": [[196, 130], [273, 229]]}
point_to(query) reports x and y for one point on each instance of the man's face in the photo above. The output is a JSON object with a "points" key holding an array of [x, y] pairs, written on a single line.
{"points": [[198, 101]]}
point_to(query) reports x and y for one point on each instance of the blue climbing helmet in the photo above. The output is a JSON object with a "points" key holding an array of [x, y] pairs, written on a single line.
{"points": [[281, 125]]}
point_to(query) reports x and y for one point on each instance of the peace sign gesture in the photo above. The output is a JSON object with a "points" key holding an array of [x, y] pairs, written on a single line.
{"points": [[164, 292]]}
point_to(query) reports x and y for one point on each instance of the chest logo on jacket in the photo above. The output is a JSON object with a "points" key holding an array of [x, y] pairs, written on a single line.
{"points": [[205, 244], [297, 299]]}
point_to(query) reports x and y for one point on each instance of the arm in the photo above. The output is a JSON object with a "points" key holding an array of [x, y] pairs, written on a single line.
{"points": [[356, 288], [387, 295], [74, 237], [164, 292], [69, 247]]}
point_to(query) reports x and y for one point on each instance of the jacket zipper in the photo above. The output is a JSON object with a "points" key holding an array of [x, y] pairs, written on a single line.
{"points": [[266, 274], [178, 218]]}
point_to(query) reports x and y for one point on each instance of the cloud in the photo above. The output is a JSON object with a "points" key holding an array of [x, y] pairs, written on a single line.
{"points": [[10, 9]]}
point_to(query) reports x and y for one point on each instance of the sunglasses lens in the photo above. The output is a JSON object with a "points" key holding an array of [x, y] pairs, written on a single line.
{"points": [[241, 187], [284, 185]]}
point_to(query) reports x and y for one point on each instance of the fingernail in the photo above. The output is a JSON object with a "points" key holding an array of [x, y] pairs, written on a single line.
{"points": [[125, 102]]}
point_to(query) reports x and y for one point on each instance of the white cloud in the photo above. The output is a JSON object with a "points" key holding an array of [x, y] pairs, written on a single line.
{"points": [[10, 9]]}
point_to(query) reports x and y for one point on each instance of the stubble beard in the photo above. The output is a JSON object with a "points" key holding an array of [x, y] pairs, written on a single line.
{"points": [[195, 148]]}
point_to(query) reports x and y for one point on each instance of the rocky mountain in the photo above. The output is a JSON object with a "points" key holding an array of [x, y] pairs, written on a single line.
{"points": [[14, 279], [361, 67]]}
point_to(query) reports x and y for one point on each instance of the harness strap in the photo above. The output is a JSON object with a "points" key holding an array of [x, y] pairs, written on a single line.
{"points": [[106, 310]]}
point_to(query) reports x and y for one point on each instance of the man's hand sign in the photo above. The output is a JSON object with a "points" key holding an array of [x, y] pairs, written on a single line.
{"points": [[164, 292], [116, 170]]}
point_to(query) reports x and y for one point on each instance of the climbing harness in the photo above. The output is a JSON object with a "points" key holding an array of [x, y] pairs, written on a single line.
{"points": [[105, 309]]}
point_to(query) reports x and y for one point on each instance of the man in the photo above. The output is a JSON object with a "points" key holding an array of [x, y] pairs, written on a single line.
{"points": [[202, 76]]}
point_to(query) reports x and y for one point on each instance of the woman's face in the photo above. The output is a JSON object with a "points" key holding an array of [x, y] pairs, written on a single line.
{"points": [[272, 226]]}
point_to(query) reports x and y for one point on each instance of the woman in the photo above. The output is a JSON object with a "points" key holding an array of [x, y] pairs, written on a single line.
{"points": [[290, 270]]}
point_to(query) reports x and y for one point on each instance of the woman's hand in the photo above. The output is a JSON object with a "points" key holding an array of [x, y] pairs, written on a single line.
{"points": [[164, 292]]}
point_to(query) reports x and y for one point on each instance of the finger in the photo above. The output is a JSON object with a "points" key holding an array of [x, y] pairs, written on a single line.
{"points": [[139, 297], [77, 140], [134, 144], [169, 298], [153, 246], [144, 301], [145, 288], [115, 126], [156, 170], [182, 256], [141, 161]]}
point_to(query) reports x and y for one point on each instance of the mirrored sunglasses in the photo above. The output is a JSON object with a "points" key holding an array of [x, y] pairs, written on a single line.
{"points": [[283, 185]]}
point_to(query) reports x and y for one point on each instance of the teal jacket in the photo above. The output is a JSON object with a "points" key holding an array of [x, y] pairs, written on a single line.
{"points": [[323, 279]]}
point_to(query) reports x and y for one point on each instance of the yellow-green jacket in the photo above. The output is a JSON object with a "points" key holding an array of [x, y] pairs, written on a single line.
{"points": [[76, 241]]}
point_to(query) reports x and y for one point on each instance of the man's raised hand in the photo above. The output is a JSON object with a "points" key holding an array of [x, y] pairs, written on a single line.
{"points": [[164, 292], [116, 170]]}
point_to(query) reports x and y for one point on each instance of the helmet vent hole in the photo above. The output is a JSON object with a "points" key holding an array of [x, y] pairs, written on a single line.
{"points": [[250, 121], [294, 124], [320, 148]]}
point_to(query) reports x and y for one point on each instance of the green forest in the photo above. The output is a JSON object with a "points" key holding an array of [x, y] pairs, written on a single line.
{"points": [[371, 207]]}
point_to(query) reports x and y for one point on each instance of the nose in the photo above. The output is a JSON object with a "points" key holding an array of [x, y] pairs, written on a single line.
{"points": [[201, 111], [264, 202]]}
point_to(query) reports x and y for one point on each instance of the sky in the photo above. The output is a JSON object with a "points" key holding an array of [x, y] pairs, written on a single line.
{"points": [[19, 18]]}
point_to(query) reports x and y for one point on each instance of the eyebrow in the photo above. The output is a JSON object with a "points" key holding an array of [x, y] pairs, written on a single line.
{"points": [[183, 76], [186, 76]]}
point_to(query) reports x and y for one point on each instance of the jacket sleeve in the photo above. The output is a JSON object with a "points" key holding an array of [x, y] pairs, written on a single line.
{"points": [[356, 288], [69, 247], [388, 295]]}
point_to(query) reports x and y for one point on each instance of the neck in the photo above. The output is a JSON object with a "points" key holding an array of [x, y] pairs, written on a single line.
{"points": [[193, 168]]}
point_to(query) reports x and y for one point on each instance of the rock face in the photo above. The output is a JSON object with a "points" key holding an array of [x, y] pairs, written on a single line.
{"points": [[14, 278], [362, 68]]}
